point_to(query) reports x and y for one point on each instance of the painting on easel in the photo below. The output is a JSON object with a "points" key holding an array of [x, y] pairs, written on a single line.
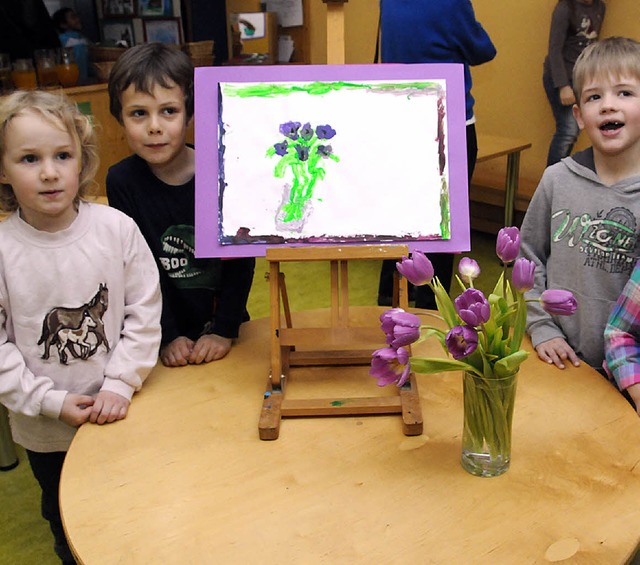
{"points": [[347, 154]]}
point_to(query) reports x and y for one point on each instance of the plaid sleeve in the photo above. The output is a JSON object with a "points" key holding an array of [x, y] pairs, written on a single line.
{"points": [[622, 335]]}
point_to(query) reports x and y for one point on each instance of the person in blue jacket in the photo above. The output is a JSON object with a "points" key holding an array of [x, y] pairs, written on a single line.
{"points": [[434, 31]]}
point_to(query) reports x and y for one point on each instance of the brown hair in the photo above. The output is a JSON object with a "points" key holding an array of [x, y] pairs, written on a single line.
{"points": [[59, 110], [615, 56], [148, 65]]}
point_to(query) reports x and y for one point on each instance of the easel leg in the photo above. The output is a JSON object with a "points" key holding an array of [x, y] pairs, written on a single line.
{"points": [[271, 414], [412, 424]]}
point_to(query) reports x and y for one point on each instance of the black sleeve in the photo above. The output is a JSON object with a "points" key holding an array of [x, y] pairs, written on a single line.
{"points": [[235, 284]]}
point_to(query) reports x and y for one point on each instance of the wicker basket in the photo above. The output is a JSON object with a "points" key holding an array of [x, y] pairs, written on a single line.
{"points": [[198, 48], [98, 53]]}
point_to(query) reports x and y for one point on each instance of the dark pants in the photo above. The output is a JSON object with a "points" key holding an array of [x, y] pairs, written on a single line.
{"points": [[46, 468], [442, 262]]}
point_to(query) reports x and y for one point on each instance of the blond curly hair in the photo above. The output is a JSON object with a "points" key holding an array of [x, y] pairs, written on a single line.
{"points": [[58, 109]]}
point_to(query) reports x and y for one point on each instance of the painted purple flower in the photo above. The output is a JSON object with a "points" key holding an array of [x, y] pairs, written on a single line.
{"points": [[325, 132], [390, 365], [290, 129], [303, 152], [558, 302], [402, 328], [306, 132], [461, 341], [418, 270], [324, 150], [508, 244], [473, 308], [523, 274], [468, 269], [281, 148]]}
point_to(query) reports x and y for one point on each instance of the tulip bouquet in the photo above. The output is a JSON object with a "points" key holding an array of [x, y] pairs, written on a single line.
{"points": [[483, 339]]}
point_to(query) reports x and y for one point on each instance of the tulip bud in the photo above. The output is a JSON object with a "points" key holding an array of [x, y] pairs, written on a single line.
{"points": [[468, 269], [402, 328], [473, 308], [508, 244], [558, 302], [418, 270], [523, 274]]}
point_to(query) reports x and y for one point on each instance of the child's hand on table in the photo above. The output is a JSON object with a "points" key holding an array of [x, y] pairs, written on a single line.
{"points": [[210, 347], [76, 409], [556, 351], [108, 407], [176, 353]]}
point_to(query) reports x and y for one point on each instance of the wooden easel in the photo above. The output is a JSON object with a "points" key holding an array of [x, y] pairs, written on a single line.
{"points": [[291, 347]]}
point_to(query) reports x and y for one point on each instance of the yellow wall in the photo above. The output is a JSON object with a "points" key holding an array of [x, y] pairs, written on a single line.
{"points": [[510, 100]]}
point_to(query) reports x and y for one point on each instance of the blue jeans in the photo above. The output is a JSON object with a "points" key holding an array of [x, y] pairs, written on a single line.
{"points": [[567, 129]]}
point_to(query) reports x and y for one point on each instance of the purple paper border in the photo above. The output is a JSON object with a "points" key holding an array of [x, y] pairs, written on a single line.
{"points": [[207, 80]]}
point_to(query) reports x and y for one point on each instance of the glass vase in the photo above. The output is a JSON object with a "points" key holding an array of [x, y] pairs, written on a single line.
{"points": [[488, 414]]}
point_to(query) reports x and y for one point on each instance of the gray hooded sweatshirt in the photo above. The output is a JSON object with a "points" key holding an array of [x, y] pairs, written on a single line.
{"points": [[583, 237]]}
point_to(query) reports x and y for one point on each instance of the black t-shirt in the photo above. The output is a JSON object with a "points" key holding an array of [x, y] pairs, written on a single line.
{"points": [[199, 295]]}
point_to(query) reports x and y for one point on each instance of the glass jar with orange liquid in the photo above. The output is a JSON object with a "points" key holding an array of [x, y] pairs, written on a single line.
{"points": [[46, 68], [66, 67], [23, 74]]}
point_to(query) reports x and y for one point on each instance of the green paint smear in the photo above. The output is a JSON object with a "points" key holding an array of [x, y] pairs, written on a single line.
{"points": [[271, 90]]}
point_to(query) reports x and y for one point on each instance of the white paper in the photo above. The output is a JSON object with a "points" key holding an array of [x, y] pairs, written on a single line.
{"points": [[387, 179], [252, 25], [289, 12]]}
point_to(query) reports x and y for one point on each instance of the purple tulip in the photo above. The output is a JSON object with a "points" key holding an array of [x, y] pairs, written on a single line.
{"points": [[473, 307], [402, 328], [418, 270], [508, 244], [558, 302], [468, 269], [390, 365], [461, 341], [281, 148], [523, 274]]}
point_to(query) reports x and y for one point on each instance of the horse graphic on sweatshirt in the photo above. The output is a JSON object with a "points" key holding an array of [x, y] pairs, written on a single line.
{"points": [[68, 328]]}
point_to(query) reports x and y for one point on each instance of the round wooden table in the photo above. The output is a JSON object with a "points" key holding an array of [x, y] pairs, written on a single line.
{"points": [[185, 478]]}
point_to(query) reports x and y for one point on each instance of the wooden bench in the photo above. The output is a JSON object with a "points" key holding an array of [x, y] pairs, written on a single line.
{"points": [[491, 191]]}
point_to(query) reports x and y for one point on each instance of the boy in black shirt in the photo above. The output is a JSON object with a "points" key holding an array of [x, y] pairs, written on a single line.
{"points": [[204, 300]]}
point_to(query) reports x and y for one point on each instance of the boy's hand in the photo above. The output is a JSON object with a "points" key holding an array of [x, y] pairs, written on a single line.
{"points": [[76, 409], [210, 347], [557, 351], [176, 353], [108, 407], [567, 97], [634, 393]]}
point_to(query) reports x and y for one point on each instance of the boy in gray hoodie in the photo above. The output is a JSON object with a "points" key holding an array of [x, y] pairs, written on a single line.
{"points": [[581, 228]]}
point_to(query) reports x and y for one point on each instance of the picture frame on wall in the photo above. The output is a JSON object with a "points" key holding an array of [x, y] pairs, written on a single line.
{"points": [[118, 8], [150, 8], [117, 31], [163, 30]]}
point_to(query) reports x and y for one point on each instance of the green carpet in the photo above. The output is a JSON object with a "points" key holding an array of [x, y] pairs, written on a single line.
{"points": [[25, 538]]}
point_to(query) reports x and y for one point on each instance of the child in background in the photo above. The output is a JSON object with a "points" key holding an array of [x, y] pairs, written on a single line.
{"points": [[79, 294], [204, 300], [69, 29], [574, 25], [581, 228], [622, 341]]}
